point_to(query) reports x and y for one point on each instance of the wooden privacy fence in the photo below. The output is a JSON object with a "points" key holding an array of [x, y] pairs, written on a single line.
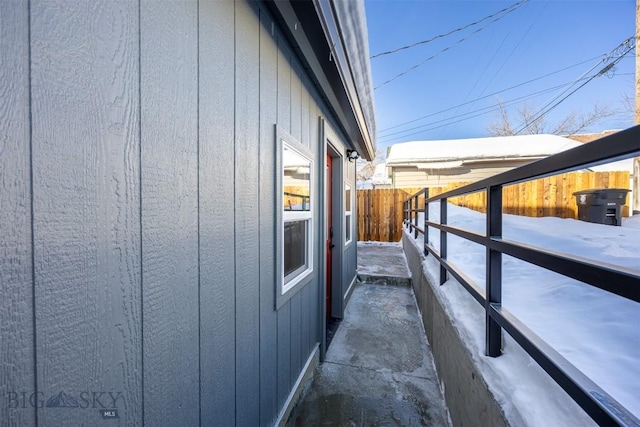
{"points": [[380, 211], [380, 214]]}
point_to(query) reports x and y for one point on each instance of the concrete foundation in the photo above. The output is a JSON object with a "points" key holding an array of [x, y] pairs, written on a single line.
{"points": [[468, 398]]}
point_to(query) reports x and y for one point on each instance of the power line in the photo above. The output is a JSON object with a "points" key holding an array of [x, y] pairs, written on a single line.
{"points": [[617, 51], [481, 112], [492, 108], [504, 62], [489, 95], [449, 33], [445, 49], [489, 109]]}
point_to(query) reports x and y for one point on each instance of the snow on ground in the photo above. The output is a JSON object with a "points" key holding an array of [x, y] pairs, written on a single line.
{"points": [[596, 331]]}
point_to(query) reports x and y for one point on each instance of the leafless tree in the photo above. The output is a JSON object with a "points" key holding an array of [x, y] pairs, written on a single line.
{"points": [[365, 169], [571, 124]]}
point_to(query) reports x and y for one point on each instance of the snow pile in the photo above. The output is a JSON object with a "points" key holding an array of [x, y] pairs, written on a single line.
{"points": [[593, 329]]}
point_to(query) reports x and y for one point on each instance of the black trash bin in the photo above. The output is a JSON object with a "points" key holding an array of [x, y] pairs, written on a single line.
{"points": [[602, 206]]}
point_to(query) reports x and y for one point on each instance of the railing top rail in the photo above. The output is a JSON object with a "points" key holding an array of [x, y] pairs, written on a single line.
{"points": [[617, 146], [618, 280], [418, 194]]}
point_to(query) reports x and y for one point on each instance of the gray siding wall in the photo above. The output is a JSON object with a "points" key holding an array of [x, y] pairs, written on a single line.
{"points": [[137, 210]]}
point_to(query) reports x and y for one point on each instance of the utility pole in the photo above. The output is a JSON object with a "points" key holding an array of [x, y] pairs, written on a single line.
{"points": [[635, 203]]}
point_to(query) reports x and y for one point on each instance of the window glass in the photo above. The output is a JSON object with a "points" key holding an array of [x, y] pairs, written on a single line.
{"points": [[295, 242], [297, 218], [348, 218], [296, 181]]}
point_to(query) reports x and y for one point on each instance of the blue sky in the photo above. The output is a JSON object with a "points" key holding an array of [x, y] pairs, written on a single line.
{"points": [[539, 37]]}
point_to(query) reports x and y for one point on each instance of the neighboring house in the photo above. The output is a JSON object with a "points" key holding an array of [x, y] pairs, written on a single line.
{"points": [[439, 163], [154, 271]]}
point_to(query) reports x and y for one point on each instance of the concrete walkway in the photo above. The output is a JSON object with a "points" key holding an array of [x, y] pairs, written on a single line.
{"points": [[379, 369], [383, 263]]}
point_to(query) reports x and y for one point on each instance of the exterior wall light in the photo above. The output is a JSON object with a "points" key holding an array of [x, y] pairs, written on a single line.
{"points": [[352, 155]]}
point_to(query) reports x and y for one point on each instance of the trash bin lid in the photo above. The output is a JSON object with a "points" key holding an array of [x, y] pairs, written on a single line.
{"points": [[610, 192]]}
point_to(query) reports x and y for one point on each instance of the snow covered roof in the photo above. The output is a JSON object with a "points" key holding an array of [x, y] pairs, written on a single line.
{"points": [[453, 152]]}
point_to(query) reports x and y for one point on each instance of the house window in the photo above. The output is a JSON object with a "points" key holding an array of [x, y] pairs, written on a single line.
{"points": [[297, 213], [348, 221]]}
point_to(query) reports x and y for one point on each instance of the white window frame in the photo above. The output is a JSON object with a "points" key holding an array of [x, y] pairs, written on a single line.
{"points": [[348, 214], [289, 285]]}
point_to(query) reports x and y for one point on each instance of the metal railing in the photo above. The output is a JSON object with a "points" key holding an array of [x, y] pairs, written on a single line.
{"points": [[600, 406]]}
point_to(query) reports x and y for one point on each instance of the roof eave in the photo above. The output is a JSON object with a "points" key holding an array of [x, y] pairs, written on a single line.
{"points": [[306, 25]]}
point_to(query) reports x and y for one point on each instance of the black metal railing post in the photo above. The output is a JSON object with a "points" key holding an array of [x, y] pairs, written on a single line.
{"points": [[404, 213], [425, 235], [493, 332], [443, 240], [415, 218]]}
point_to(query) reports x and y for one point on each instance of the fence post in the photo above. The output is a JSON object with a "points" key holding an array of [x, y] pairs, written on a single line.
{"points": [[443, 240], [426, 220], [493, 332]]}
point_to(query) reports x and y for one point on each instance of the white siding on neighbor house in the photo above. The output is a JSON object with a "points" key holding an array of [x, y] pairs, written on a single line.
{"points": [[412, 177]]}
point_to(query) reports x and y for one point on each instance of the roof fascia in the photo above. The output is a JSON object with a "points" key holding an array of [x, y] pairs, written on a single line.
{"points": [[305, 24]]}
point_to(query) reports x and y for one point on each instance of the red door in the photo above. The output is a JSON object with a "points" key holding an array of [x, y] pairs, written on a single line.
{"points": [[329, 236]]}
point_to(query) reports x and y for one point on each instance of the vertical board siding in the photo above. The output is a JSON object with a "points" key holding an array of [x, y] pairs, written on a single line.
{"points": [[217, 212], [86, 203], [246, 195], [305, 348], [284, 353], [169, 80], [144, 136], [296, 102], [305, 136], [295, 335], [284, 313], [269, 407], [17, 352], [284, 85]]}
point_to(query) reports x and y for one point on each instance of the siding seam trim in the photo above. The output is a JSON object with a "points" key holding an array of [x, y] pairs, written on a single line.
{"points": [[142, 371], [260, 17], [235, 221], [32, 225], [198, 209]]}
